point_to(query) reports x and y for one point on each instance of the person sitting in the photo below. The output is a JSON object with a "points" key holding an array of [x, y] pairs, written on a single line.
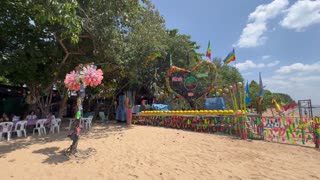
{"points": [[15, 118], [4, 118], [50, 117], [31, 116]]}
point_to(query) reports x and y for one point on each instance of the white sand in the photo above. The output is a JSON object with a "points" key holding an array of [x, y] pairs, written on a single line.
{"points": [[139, 152]]}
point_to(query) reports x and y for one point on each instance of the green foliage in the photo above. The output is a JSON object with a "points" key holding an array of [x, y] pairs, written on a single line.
{"points": [[227, 75], [283, 98], [267, 97], [29, 52], [47, 12]]}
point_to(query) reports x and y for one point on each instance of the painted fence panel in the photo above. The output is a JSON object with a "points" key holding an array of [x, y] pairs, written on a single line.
{"points": [[291, 130]]}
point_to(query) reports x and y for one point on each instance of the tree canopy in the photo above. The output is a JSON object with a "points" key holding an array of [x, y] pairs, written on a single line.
{"points": [[281, 98], [41, 41]]}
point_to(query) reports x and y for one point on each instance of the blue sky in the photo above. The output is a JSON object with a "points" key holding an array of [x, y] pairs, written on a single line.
{"points": [[278, 38]]}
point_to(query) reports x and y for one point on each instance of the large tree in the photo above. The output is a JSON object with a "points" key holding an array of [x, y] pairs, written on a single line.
{"points": [[42, 41], [29, 51]]}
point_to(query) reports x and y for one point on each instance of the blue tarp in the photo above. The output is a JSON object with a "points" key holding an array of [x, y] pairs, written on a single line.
{"points": [[160, 107], [216, 103]]}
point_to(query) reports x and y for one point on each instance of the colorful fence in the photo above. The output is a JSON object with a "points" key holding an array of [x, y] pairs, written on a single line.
{"points": [[282, 130], [228, 124], [285, 130]]}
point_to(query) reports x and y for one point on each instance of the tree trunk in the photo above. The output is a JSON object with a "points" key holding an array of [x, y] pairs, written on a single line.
{"points": [[63, 103]]}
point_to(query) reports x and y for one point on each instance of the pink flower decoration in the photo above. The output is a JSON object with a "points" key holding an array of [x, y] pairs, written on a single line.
{"points": [[91, 76], [72, 81]]}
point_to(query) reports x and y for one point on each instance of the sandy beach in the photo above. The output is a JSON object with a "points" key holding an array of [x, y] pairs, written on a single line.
{"points": [[116, 151]]}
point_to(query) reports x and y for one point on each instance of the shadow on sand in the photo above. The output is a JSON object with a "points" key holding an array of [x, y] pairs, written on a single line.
{"points": [[104, 130], [54, 157], [99, 130]]}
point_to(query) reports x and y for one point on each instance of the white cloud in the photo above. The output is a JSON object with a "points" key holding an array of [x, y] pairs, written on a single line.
{"points": [[265, 57], [301, 15], [248, 64], [300, 81], [274, 63], [252, 34], [299, 67]]}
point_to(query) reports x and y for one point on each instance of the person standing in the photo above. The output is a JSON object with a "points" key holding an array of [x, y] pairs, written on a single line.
{"points": [[74, 136]]}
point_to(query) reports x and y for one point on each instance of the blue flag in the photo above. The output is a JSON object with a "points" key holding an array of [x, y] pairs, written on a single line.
{"points": [[247, 93], [260, 89]]}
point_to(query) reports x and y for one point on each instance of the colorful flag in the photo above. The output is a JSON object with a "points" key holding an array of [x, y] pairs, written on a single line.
{"points": [[287, 107], [260, 89], [247, 93], [230, 57], [208, 54]]}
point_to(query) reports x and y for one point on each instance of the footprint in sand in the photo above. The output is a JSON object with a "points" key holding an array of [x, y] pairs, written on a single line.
{"points": [[133, 175]]}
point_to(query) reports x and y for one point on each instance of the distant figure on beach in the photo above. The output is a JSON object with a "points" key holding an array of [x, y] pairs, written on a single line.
{"points": [[305, 112], [4, 118], [31, 116]]}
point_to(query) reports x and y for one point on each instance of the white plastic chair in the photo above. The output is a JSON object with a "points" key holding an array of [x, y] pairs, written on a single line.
{"points": [[21, 128], [87, 122], [40, 127], [49, 120], [102, 116], [55, 124], [6, 127], [71, 122]]}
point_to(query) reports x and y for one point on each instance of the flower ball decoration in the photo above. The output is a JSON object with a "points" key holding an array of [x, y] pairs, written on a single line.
{"points": [[72, 81], [90, 76]]}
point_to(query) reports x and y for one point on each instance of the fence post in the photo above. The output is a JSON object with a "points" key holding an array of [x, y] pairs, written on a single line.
{"points": [[317, 132]]}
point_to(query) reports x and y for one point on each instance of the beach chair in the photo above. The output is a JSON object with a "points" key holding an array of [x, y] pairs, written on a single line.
{"points": [[70, 123], [87, 122], [20, 128], [40, 127], [6, 127], [102, 116], [47, 124], [55, 124]]}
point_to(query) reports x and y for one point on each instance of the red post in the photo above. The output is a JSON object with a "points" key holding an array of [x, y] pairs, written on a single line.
{"points": [[129, 116]]}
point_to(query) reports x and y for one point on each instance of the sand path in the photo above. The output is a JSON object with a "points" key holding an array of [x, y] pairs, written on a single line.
{"points": [[138, 152]]}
